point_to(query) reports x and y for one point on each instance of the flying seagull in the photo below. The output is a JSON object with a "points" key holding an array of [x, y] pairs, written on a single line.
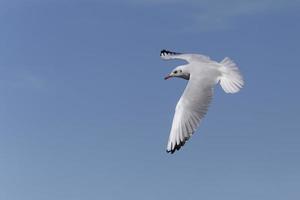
{"points": [[203, 74]]}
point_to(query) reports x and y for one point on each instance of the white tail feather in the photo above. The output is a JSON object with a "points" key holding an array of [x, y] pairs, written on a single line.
{"points": [[231, 80]]}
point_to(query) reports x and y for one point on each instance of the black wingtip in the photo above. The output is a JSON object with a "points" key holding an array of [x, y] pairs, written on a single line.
{"points": [[177, 147], [172, 151], [167, 52]]}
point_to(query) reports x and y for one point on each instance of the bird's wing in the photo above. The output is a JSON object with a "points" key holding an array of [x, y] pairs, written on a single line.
{"points": [[190, 109], [167, 55]]}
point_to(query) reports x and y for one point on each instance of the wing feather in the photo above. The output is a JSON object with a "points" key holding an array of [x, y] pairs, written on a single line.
{"points": [[167, 55], [189, 112]]}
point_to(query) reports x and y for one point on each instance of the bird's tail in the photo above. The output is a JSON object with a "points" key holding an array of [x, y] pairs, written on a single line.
{"points": [[231, 79]]}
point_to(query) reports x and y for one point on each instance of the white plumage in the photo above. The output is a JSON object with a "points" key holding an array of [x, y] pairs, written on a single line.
{"points": [[203, 74]]}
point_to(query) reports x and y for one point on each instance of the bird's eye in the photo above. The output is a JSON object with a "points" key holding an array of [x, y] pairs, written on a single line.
{"points": [[175, 72]]}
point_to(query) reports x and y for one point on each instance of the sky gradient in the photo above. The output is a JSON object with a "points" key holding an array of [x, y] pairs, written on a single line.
{"points": [[85, 112]]}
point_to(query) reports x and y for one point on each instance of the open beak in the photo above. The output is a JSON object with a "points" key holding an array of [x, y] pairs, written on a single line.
{"points": [[167, 77]]}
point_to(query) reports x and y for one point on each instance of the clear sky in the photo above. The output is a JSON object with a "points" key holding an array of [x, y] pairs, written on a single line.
{"points": [[85, 112]]}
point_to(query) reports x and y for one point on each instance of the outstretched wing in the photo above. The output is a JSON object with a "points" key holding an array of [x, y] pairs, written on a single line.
{"points": [[190, 109], [166, 55]]}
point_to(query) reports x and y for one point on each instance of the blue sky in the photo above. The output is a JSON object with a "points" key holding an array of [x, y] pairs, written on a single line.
{"points": [[85, 112]]}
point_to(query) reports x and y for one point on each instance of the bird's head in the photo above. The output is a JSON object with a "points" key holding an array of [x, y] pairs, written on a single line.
{"points": [[179, 72]]}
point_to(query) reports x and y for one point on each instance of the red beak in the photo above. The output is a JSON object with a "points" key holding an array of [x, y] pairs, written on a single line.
{"points": [[167, 77]]}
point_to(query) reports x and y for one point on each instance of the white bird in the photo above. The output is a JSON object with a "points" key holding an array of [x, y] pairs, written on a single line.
{"points": [[203, 74]]}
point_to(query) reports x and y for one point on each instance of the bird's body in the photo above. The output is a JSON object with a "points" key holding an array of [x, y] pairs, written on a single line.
{"points": [[203, 74]]}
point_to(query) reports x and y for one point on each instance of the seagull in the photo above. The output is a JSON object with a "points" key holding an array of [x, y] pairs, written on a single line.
{"points": [[202, 74]]}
